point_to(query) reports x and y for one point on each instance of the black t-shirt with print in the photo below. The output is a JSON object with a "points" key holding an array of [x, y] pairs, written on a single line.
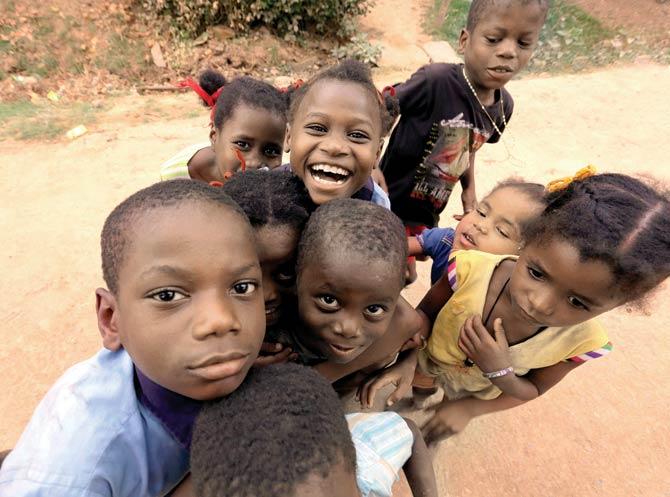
{"points": [[441, 124]]}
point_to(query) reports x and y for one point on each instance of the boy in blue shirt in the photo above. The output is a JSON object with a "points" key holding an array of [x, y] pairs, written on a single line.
{"points": [[182, 321]]}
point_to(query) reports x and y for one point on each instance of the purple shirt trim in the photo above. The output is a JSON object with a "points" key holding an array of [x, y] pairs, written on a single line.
{"points": [[176, 412]]}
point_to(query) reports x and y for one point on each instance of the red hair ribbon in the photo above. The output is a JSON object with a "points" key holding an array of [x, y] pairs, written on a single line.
{"points": [[216, 184], [210, 100], [387, 89], [298, 83], [390, 90], [190, 83], [240, 157]]}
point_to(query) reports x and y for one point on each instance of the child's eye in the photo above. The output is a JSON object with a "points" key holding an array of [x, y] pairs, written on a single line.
{"points": [[491, 39], [242, 145], [481, 212], [534, 273], [502, 233], [272, 151], [525, 44], [316, 128], [167, 295], [285, 278], [375, 310], [244, 288], [328, 301], [359, 135], [575, 302]]}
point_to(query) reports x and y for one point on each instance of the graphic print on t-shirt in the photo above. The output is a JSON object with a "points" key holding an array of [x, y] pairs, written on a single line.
{"points": [[446, 158]]}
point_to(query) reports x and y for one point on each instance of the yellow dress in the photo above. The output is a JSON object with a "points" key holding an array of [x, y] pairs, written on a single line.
{"points": [[469, 274]]}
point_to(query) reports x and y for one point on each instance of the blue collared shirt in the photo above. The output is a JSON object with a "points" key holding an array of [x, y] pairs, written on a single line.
{"points": [[90, 436]]}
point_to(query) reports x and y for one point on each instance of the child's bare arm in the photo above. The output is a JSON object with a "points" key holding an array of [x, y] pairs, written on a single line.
{"points": [[404, 324], [438, 295], [452, 416], [415, 247], [400, 375], [419, 467], [469, 195]]}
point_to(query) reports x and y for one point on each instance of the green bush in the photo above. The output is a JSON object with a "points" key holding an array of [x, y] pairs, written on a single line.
{"points": [[286, 18], [360, 48]]}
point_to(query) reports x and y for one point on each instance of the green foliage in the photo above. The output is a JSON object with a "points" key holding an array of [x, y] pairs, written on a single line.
{"points": [[34, 121], [288, 18], [358, 48]]}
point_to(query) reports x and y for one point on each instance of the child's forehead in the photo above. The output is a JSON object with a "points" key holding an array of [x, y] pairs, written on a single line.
{"points": [[347, 264], [183, 222], [499, 11]]}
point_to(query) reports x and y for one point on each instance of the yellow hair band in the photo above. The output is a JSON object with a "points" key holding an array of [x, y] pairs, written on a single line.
{"points": [[562, 183]]}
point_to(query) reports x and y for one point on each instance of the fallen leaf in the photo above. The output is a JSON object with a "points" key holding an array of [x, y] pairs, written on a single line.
{"points": [[157, 55]]}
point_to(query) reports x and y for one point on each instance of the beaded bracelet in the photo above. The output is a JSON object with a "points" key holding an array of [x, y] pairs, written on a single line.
{"points": [[499, 373]]}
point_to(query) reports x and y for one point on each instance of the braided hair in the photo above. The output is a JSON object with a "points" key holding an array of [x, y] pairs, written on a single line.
{"points": [[615, 219]]}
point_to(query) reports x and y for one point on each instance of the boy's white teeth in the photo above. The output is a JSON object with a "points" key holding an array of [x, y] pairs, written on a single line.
{"points": [[327, 168], [326, 173]]}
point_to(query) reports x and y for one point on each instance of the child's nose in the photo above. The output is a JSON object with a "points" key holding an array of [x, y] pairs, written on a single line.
{"points": [[270, 290], [542, 302], [481, 227], [507, 49], [214, 314], [333, 145], [255, 161], [348, 328]]}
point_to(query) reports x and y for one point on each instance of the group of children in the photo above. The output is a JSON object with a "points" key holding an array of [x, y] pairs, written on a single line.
{"points": [[216, 287]]}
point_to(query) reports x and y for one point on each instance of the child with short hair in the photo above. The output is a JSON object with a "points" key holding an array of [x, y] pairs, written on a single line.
{"points": [[337, 122], [448, 111], [278, 207], [350, 271], [248, 123], [284, 434], [505, 329], [494, 226], [182, 322]]}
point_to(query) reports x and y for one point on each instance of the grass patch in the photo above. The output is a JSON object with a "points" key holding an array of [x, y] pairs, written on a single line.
{"points": [[35, 121], [571, 39]]}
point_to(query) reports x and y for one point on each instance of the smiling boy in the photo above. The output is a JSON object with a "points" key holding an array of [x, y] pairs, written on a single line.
{"points": [[181, 322], [448, 111]]}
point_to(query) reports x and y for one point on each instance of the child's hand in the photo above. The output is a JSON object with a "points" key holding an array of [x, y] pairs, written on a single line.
{"points": [[469, 198], [418, 341], [274, 353], [400, 374], [450, 417], [487, 352]]}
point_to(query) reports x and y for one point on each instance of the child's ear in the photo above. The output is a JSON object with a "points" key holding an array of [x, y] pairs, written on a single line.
{"points": [[212, 135], [463, 40], [287, 138], [106, 309], [379, 150]]}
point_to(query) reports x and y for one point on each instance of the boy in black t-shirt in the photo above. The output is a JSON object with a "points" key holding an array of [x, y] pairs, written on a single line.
{"points": [[448, 111]]}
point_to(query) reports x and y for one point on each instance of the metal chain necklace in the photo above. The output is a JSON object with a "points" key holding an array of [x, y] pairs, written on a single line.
{"points": [[502, 108]]}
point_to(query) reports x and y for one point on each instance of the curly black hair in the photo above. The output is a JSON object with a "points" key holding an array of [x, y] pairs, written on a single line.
{"points": [[616, 219], [355, 72], [284, 424], [362, 230], [246, 90], [117, 232], [478, 9], [271, 197]]}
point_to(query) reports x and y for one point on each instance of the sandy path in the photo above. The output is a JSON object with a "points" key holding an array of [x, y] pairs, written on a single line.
{"points": [[603, 431]]}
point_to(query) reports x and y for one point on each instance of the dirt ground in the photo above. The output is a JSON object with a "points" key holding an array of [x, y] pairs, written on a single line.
{"points": [[602, 431]]}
